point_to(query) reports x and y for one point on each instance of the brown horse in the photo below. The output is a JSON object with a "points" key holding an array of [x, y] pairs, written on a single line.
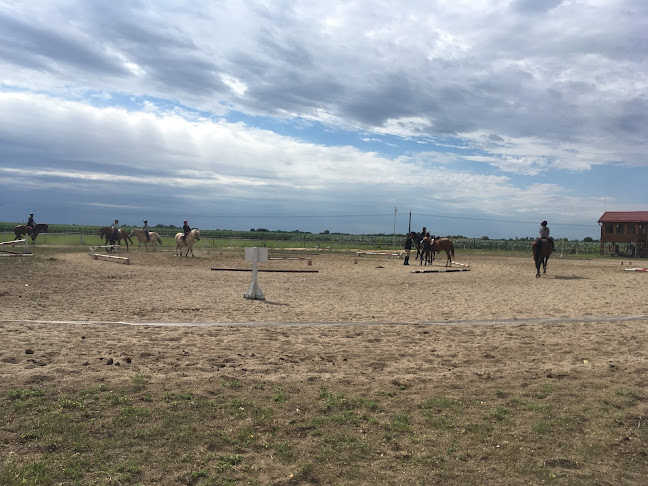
{"points": [[23, 229], [541, 255], [444, 244], [114, 239], [154, 238]]}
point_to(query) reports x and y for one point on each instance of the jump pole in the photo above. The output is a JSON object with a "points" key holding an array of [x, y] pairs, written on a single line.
{"points": [[266, 270], [9, 253], [111, 258], [308, 260], [442, 271]]}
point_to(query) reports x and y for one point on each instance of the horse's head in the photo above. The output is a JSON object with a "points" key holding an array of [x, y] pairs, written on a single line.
{"points": [[196, 233]]}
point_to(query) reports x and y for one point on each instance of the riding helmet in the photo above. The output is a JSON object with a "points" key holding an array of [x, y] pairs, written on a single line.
{"points": [[544, 223]]}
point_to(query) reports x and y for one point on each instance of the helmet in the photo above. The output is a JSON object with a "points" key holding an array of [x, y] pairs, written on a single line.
{"points": [[544, 223], [116, 220], [145, 221], [185, 221], [31, 214]]}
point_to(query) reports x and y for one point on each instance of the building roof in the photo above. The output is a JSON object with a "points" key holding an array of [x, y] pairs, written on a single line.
{"points": [[624, 217]]}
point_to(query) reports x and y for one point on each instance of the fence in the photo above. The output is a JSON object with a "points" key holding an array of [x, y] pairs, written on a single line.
{"points": [[217, 239]]}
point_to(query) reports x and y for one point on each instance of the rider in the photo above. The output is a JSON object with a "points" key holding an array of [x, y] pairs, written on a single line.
{"points": [[187, 229], [543, 233], [145, 229], [114, 229], [30, 222]]}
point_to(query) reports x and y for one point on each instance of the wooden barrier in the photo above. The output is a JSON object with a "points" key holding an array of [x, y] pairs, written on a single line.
{"points": [[442, 270], [117, 259], [636, 269], [371, 253], [270, 271], [308, 260], [10, 253]]}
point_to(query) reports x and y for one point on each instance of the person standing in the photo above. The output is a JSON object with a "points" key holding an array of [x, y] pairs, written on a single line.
{"points": [[145, 229], [408, 248], [426, 250]]}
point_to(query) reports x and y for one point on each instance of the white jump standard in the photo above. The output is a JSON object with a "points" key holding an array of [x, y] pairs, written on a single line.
{"points": [[255, 255]]}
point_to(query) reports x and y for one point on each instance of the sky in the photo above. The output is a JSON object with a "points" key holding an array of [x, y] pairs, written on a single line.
{"points": [[481, 118]]}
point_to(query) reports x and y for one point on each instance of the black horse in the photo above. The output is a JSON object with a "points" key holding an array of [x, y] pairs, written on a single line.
{"points": [[542, 249], [23, 229], [114, 237]]}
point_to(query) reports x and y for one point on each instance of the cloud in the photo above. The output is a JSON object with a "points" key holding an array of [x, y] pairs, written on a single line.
{"points": [[322, 103]]}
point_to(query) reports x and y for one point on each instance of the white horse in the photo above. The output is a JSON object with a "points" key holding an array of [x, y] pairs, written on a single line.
{"points": [[154, 239], [191, 238]]}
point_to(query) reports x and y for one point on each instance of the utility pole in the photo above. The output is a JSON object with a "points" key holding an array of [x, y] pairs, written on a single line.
{"points": [[394, 236]]}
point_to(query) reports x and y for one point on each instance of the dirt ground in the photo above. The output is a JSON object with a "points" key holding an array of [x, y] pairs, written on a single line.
{"points": [[360, 323]]}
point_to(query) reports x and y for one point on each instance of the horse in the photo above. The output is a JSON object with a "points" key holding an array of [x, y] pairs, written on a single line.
{"points": [[33, 232], [541, 257], [444, 244], [417, 240], [114, 239], [154, 238], [190, 239]]}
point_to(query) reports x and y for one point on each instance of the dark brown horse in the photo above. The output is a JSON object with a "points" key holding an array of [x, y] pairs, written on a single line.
{"points": [[417, 239], [444, 244], [541, 251], [114, 239], [23, 229]]}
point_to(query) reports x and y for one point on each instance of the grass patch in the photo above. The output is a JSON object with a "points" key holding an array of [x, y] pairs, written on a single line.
{"points": [[147, 434]]}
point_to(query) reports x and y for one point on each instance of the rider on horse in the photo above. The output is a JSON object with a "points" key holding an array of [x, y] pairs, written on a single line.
{"points": [[544, 234], [30, 222], [145, 229], [114, 229], [186, 229]]}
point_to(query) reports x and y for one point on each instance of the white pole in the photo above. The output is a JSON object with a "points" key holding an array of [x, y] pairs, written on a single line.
{"points": [[394, 235]]}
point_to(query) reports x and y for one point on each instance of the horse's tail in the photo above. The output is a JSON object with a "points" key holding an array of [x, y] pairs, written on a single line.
{"points": [[452, 249], [159, 240]]}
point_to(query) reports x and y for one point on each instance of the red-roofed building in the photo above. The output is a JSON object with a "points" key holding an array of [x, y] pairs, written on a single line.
{"points": [[624, 227]]}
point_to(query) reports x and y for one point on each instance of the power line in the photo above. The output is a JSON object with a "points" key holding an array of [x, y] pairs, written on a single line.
{"points": [[553, 223], [375, 215]]}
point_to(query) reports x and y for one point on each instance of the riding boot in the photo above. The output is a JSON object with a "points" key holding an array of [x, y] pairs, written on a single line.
{"points": [[406, 261]]}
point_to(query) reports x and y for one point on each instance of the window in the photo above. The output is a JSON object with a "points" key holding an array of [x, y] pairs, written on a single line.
{"points": [[632, 228], [619, 228], [609, 228], [642, 228]]}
